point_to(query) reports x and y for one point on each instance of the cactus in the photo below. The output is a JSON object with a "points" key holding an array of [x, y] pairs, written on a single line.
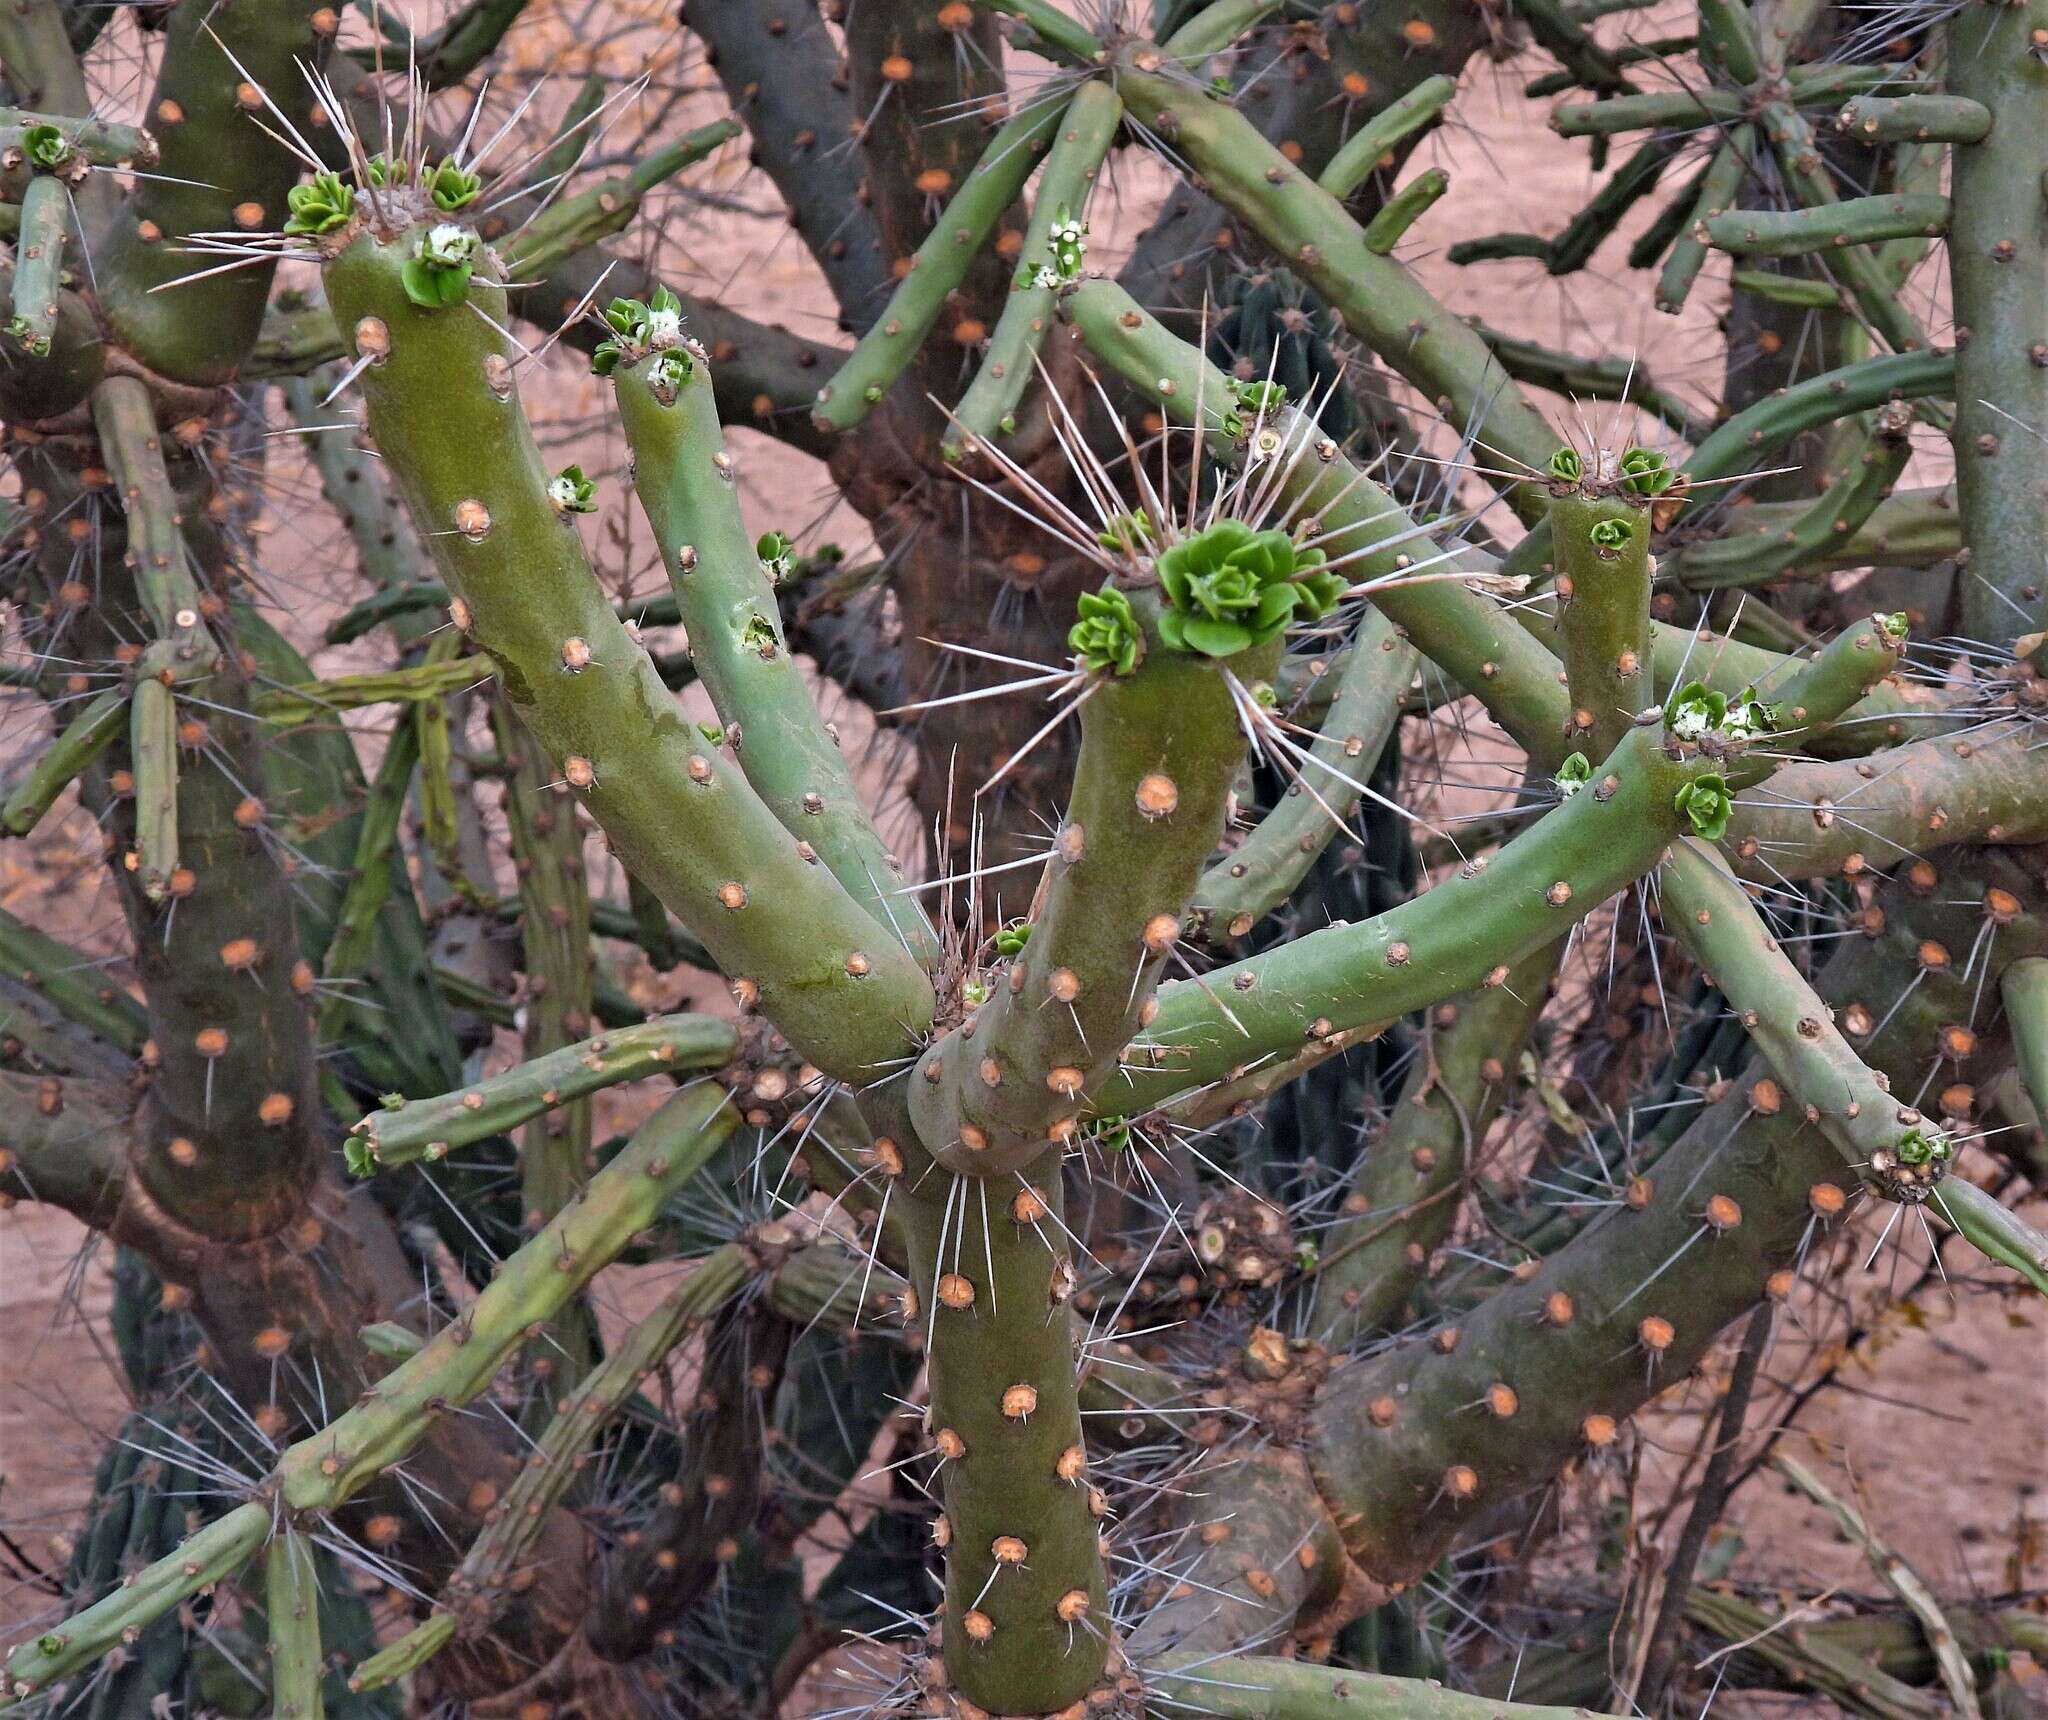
{"points": [[1276, 1203]]}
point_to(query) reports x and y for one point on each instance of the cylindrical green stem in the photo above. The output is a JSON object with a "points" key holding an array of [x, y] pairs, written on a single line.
{"points": [[938, 266], [1027, 1621], [1403, 1198], [2023, 988], [292, 1601], [688, 484], [988, 408], [1406, 207], [322, 1472], [1367, 148], [103, 721], [214, 1554], [1859, 221], [218, 172], [1381, 302], [153, 757], [1786, 1019], [39, 263], [1159, 749], [1600, 540], [1998, 272], [408, 1654], [490, 1571], [1452, 939], [428, 1128], [1831, 521], [1261, 872], [1914, 119], [1262, 1687]]}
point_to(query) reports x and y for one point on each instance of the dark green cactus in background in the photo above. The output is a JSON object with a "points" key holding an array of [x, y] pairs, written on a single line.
{"points": [[1425, 908]]}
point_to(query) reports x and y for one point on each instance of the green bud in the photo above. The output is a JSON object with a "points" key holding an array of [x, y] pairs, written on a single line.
{"points": [[1573, 775], [1258, 397], [355, 1156], [1127, 533], [1645, 473], [1895, 624], [1566, 467], [1922, 1146], [1707, 804], [452, 186], [1230, 588], [1107, 637], [46, 147], [319, 206], [1609, 536], [1010, 941]]}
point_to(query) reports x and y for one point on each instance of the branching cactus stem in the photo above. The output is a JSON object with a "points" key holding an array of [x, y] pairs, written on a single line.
{"points": [[442, 409]]}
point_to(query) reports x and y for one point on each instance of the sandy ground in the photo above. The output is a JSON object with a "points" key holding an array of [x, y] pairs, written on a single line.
{"points": [[1938, 1424]]}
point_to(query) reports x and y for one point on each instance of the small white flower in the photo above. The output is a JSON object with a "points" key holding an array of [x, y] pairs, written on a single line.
{"points": [[1689, 723], [664, 329], [448, 244]]}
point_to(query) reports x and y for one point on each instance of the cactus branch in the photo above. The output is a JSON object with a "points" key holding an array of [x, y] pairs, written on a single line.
{"points": [[321, 1472], [2024, 989], [1998, 273], [211, 1556], [1266, 1687], [687, 484], [218, 172], [1422, 952], [1914, 119], [1369, 146], [1898, 1576], [491, 1567], [125, 418], [1159, 748], [103, 720], [292, 1603], [1382, 302], [1719, 186], [70, 982], [1402, 1200], [1080, 144], [1787, 1022], [1474, 641], [937, 267], [1261, 872], [1828, 227], [39, 246], [427, 1128], [70, 1156], [1026, 1617]]}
